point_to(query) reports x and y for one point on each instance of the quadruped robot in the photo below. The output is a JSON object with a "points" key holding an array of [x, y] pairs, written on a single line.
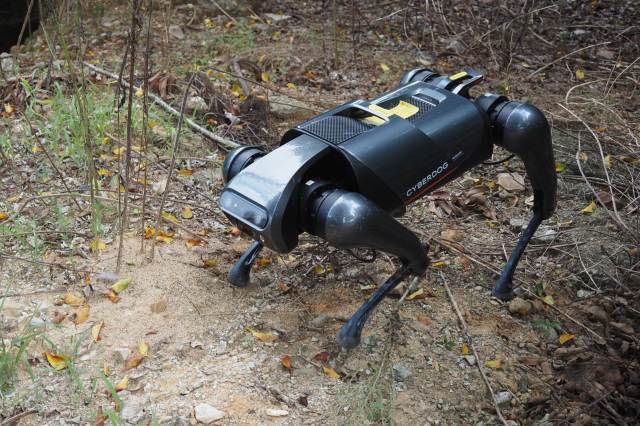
{"points": [[345, 174]]}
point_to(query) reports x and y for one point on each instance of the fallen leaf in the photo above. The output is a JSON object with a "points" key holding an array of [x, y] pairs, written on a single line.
{"points": [[139, 92], [465, 349], [186, 213], [330, 372], [97, 245], [512, 182], [384, 67], [263, 337], [121, 285], [176, 31], [263, 261], [210, 263], [234, 230], [439, 264], [564, 338], [560, 167], [149, 232], [143, 348], [548, 299], [122, 384], [3, 216], [590, 208], [73, 299], [284, 288], [133, 361], [607, 161], [495, 364], [113, 297], [185, 172], [583, 156], [451, 235], [95, 331], [580, 74], [8, 109], [291, 85], [321, 357], [170, 217], [423, 320], [58, 362], [105, 368], [118, 151], [81, 314], [264, 76], [286, 362], [164, 238], [193, 242], [418, 294]]}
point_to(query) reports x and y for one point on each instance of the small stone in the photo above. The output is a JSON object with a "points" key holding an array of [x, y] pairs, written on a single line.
{"points": [[471, 360], [544, 234], [160, 185], [196, 103], [401, 373], [121, 354], [319, 321], [451, 235], [455, 45], [130, 411], [275, 18], [176, 32], [196, 344], [512, 182], [206, 413], [274, 412], [583, 294], [519, 306], [503, 397], [598, 313], [517, 224], [546, 368]]}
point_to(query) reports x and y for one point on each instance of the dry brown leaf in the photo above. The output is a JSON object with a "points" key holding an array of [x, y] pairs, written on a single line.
{"points": [[105, 368], [193, 242], [149, 232], [284, 288], [451, 235], [422, 319], [58, 317], [322, 357], [564, 338], [122, 384], [417, 295], [185, 172], [133, 361], [234, 230], [210, 263], [81, 314], [286, 362], [113, 297]]}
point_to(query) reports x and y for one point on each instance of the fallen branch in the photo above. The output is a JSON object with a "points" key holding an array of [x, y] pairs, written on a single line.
{"points": [[225, 143], [465, 331]]}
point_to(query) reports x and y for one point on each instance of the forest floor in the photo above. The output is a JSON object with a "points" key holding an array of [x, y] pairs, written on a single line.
{"points": [[174, 343]]}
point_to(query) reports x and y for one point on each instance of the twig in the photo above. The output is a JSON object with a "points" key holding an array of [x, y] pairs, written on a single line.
{"points": [[24, 26], [13, 419], [566, 56], [176, 144], [37, 262], [465, 331], [224, 143]]}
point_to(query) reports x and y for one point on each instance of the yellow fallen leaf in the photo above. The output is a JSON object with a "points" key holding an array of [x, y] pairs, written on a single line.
{"points": [[185, 172], [149, 232], [439, 264], [139, 92], [495, 364], [143, 348], [187, 213], [564, 338], [4, 215], [58, 362], [210, 263], [118, 151], [330, 372], [607, 161], [580, 74], [465, 349], [163, 238], [36, 149], [170, 217], [286, 362], [122, 384], [105, 368], [263, 337], [236, 90], [583, 156], [73, 299], [490, 184], [264, 76], [104, 172], [590, 208], [234, 230], [81, 314], [291, 85], [97, 245], [95, 331], [560, 166], [263, 261], [133, 361], [121, 285], [8, 109], [548, 299], [384, 67], [418, 294], [193, 242]]}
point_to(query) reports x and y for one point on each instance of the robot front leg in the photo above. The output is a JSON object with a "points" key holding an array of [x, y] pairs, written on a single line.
{"points": [[349, 220]]}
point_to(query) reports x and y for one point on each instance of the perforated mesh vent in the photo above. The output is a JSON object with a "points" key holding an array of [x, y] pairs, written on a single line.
{"points": [[336, 129]]}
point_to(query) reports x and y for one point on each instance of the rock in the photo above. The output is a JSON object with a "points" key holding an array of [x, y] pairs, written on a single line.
{"points": [[206, 413], [121, 354], [544, 234], [520, 307], [471, 360], [451, 235], [176, 32], [455, 45], [512, 182], [196, 103], [160, 186], [401, 373], [517, 224], [583, 294], [319, 321], [286, 107], [503, 397], [546, 368], [598, 313], [273, 412], [552, 335], [131, 411], [275, 18], [6, 63]]}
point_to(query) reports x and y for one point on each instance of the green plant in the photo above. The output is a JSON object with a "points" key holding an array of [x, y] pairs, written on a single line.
{"points": [[447, 343], [12, 352], [546, 326]]}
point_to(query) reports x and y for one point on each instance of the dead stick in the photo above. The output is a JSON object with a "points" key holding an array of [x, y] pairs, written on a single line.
{"points": [[465, 331], [223, 142]]}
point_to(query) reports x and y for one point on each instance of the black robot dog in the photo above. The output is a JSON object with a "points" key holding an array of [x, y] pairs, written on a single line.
{"points": [[345, 174]]}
